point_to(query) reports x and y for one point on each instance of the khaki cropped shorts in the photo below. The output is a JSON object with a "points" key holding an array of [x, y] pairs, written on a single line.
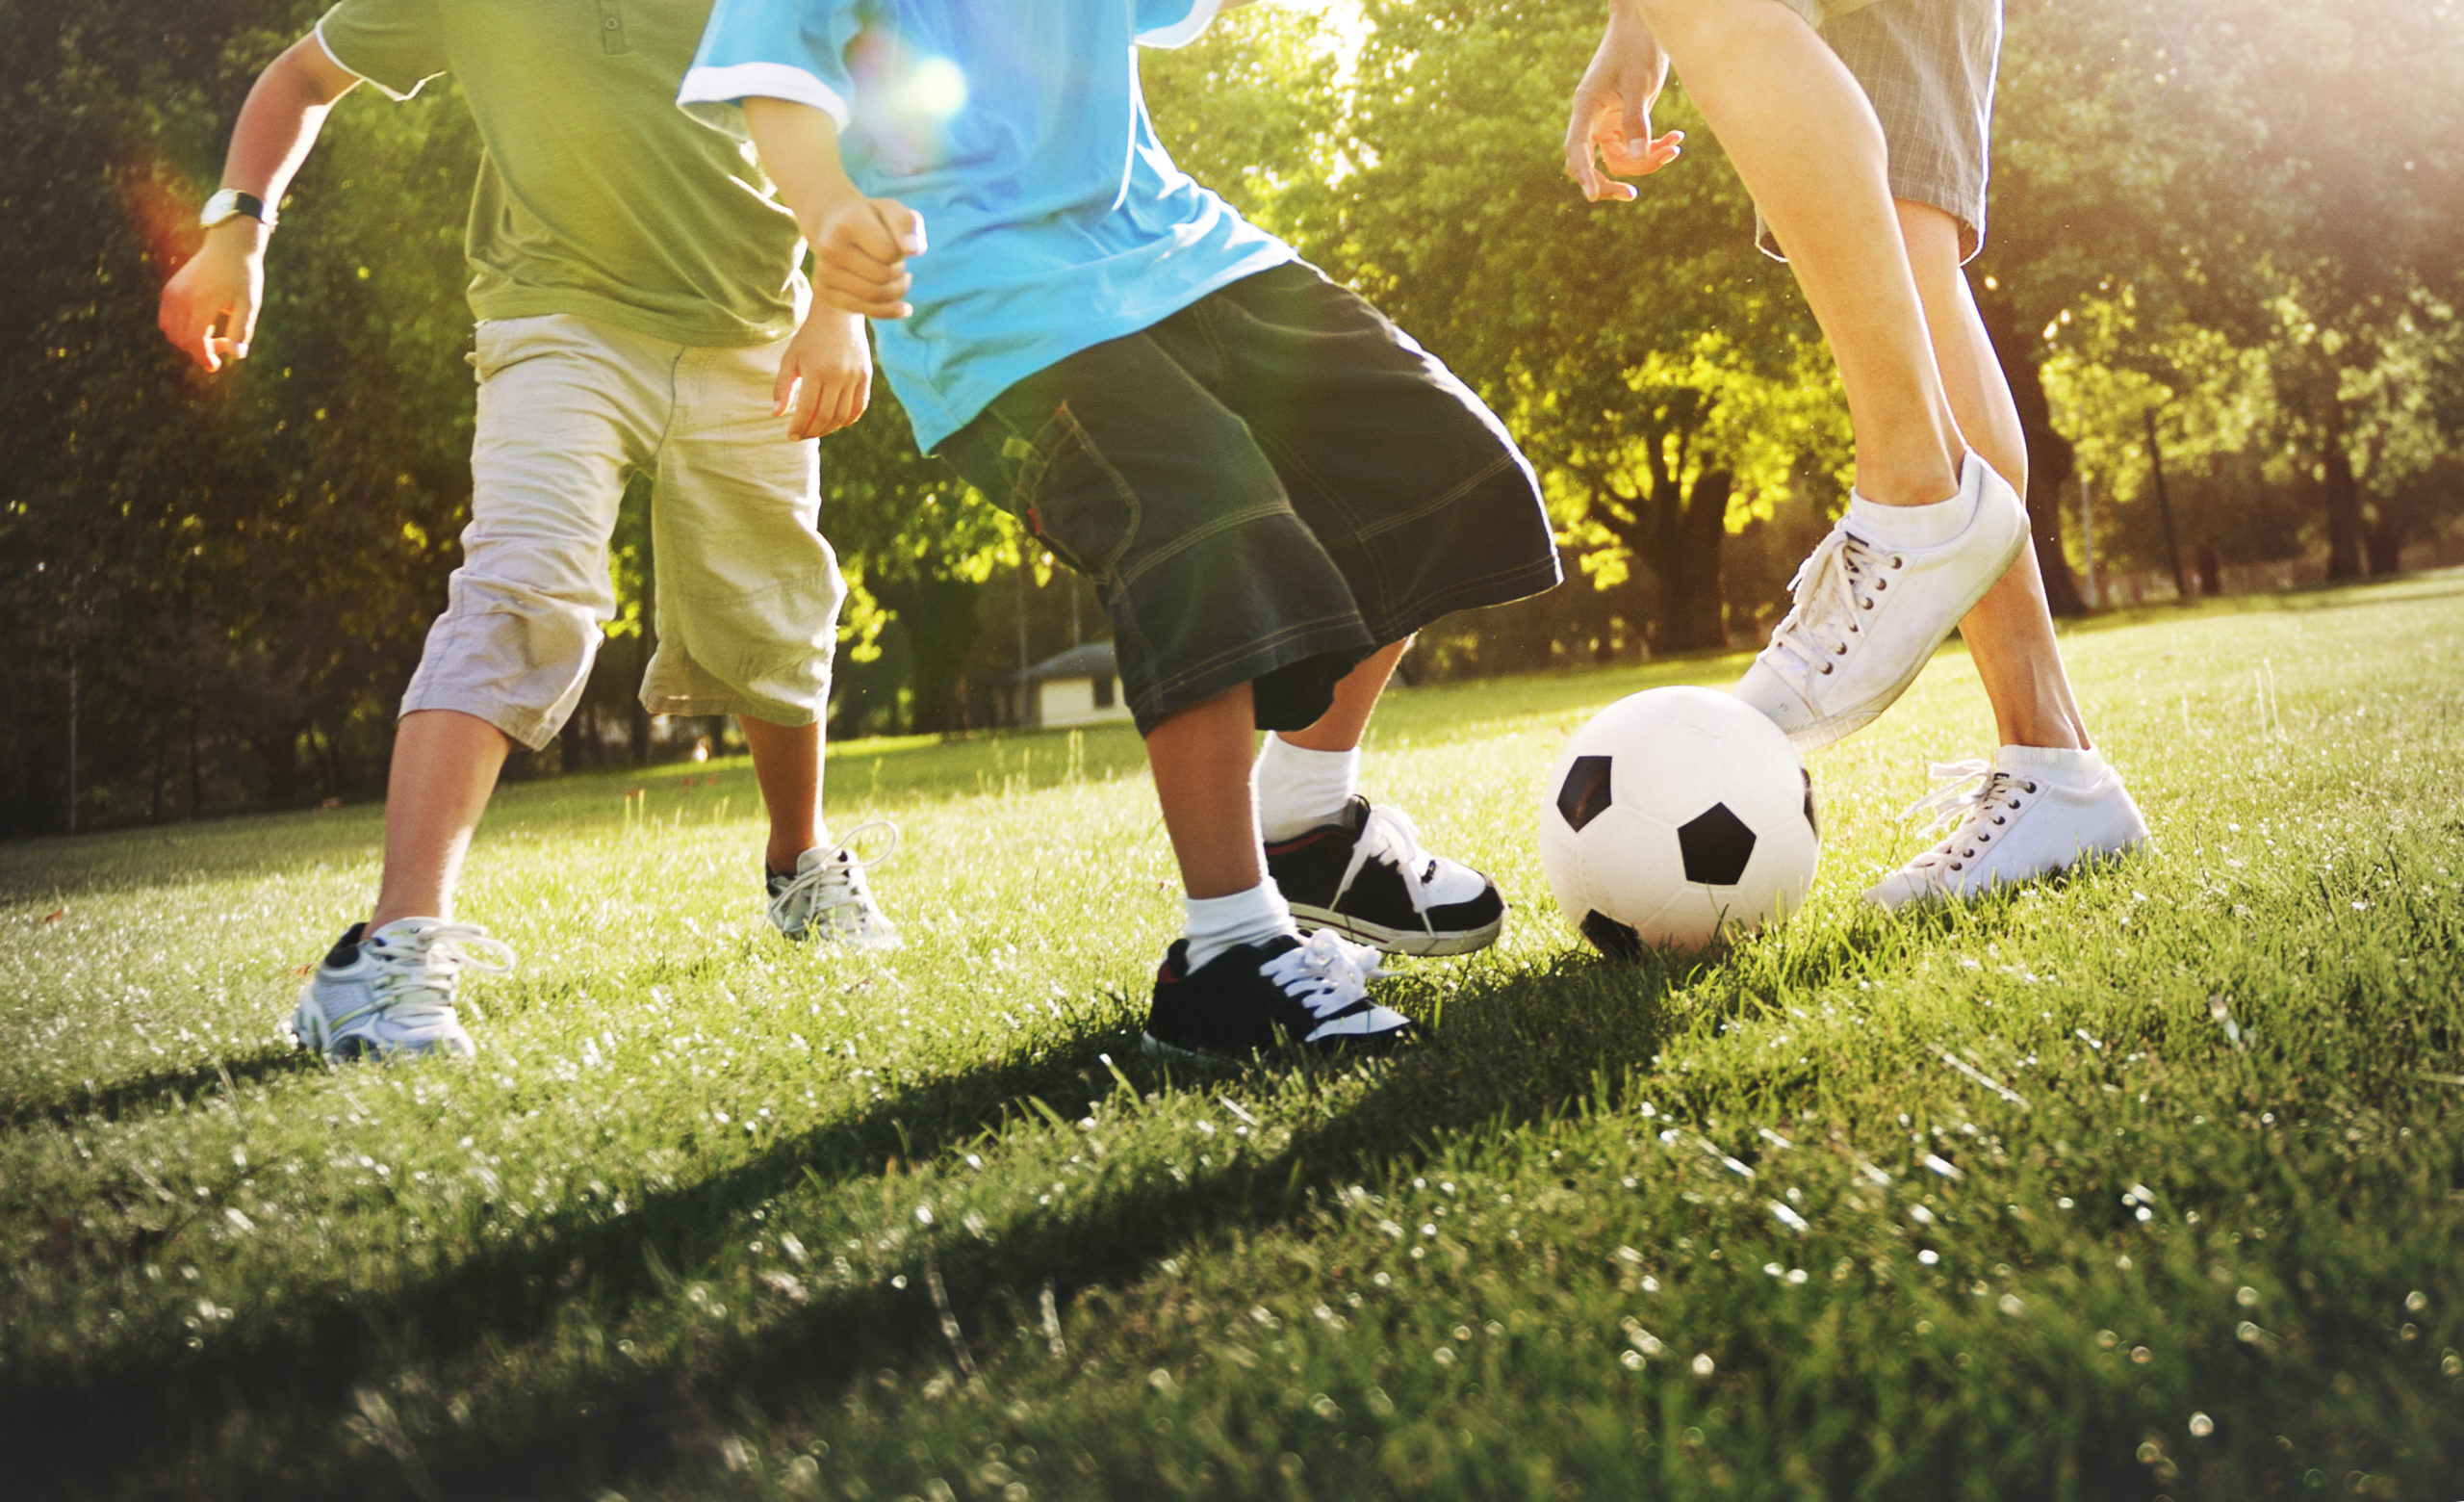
{"points": [[747, 592], [1929, 68]]}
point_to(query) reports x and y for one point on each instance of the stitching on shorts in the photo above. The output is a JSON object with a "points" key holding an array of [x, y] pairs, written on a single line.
{"points": [[1388, 524], [1198, 534], [1197, 673], [1421, 610], [1260, 644]]}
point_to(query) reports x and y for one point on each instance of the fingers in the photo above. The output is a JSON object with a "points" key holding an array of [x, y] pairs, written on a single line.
{"points": [[860, 265], [242, 327], [784, 385], [1630, 159], [903, 224], [1580, 165], [811, 396], [849, 294]]}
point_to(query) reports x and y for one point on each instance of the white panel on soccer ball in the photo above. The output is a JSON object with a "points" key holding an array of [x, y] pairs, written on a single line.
{"points": [[1679, 779], [1763, 779], [1698, 915], [1630, 867], [1785, 856]]}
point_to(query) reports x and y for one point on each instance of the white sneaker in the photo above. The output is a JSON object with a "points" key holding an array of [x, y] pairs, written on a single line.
{"points": [[390, 994], [1867, 616], [2013, 820], [828, 898]]}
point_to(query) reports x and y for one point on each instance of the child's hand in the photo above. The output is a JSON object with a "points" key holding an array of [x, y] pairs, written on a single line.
{"points": [[209, 308], [859, 257], [826, 377], [1612, 112]]}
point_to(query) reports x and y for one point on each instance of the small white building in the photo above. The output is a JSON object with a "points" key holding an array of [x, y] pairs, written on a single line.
{"points": [[1080, 687]]}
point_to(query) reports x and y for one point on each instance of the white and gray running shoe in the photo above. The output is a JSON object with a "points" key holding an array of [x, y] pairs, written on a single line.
{"points": [[829, 898], [390, 994], [1867, 617], [2011, 822]]}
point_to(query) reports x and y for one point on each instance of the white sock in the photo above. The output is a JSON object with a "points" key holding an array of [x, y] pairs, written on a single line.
{"points": [[1214, 925], [1920, 526], [2068, 768], [1299, 790]]}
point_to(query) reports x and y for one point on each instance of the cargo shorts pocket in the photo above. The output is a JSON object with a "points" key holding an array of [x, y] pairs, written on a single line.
{"points": [[1074, 500]]}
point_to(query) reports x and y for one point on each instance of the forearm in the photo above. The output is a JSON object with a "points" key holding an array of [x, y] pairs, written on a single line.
{"points": [[799, 147], [279, 123]]}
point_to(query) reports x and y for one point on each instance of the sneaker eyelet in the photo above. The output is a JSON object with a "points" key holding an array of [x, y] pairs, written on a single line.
{"points": [[1864, 604], [1881, 584], [1999, 819], [2030, 787], [1826, 669], [1840, 650], [1897, 561], [1956, 866]]}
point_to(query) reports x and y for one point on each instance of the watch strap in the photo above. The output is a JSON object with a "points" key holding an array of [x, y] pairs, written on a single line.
{"points": [[231, 203]]}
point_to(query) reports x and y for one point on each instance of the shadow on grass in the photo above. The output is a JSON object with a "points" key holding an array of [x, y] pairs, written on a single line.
{"points": [[143, 1092], [1517, 1047]]}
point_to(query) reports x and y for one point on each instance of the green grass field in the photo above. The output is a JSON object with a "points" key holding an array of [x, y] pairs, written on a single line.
{"points": [[2147, 1182]]}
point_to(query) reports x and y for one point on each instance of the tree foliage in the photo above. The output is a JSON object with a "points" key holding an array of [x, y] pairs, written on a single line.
{"points": [[2224, 238]]}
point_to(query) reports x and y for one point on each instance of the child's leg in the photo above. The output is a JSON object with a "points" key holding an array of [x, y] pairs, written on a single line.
{"points": [[1306, 778], [1201, 758], [787, 763], [1805, 139], [2010, 633], [444, 767]]}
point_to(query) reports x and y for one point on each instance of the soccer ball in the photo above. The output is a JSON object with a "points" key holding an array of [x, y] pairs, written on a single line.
{"points": [[1676, 818]]}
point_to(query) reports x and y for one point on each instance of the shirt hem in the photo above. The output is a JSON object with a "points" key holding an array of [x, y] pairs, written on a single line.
{"points": [[1186, 30], [970, 402], [737, 335]]}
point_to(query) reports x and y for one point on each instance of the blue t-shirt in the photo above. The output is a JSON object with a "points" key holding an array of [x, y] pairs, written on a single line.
{"points": [[1053, 218]]}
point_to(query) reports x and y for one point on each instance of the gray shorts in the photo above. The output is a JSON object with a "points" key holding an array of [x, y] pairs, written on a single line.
{"points": [[1927, 67]]}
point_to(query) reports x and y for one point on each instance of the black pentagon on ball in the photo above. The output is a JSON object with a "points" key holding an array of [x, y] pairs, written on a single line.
{"points": [[1612, 938], [1716, 845], [1583, 796]]}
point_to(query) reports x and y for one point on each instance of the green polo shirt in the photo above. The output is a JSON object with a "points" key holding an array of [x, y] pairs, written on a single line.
{"points": [[597, 195]]}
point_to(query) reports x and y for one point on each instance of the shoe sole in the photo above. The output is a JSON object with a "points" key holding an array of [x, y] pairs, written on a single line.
{"points": [[1939, 896], [1839, 727], [1419, 944], [1155, 1047]]}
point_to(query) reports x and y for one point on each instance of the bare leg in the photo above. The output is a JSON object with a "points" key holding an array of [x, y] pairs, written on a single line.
{"points": [[1805, 139], [445, 765], [786, 762], [1341, 726], [2010, 633], [1201, 758]]}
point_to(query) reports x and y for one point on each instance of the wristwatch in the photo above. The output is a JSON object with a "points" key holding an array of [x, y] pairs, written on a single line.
{"points": [[230, 203]]}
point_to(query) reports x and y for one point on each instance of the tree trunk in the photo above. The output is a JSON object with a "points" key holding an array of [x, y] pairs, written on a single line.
{"points": [[2341, 493], [1688, 566], [2050, 455], [940, 615]]}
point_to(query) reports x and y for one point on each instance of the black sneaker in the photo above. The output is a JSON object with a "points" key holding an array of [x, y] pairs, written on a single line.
{"points": [[1260, 998], [1365, 876]]}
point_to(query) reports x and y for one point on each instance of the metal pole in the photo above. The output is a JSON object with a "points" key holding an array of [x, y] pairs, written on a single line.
{"points": [[2087, 527]]}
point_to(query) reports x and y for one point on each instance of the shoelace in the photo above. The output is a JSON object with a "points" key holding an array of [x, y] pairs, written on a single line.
{"points": [[1326, 974], [1390, 833], [837, 884], [1971, 796], [418, 972], [1830, 593]]}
